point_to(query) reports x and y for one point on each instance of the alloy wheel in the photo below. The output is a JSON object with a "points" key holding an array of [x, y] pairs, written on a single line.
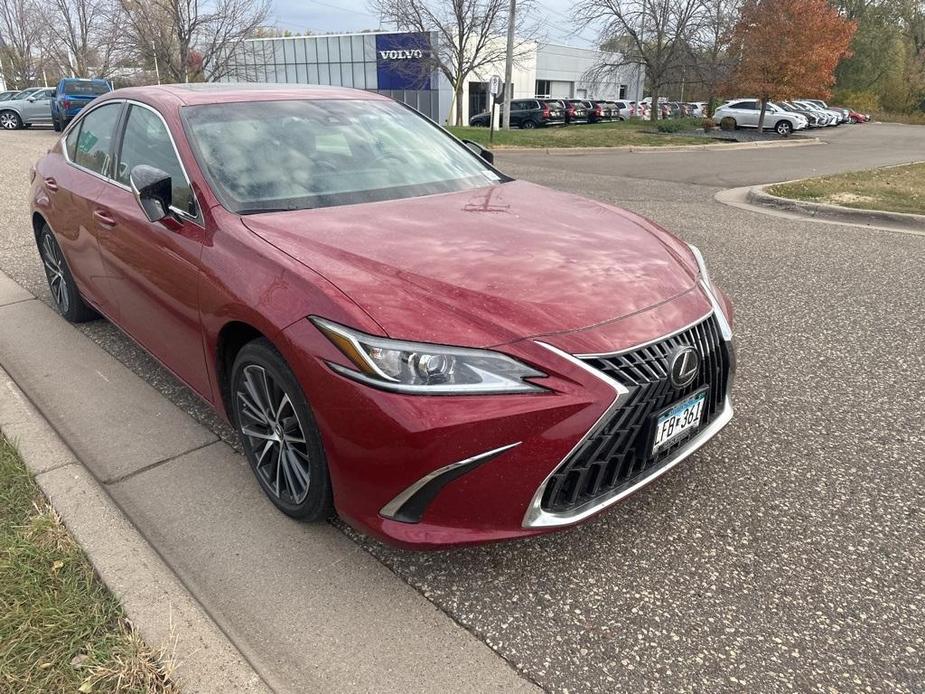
{"points": [[54, 270], [9, 120], [272, 431]]}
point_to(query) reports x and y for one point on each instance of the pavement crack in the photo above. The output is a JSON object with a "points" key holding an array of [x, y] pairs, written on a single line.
{"points": [[158, 463]]}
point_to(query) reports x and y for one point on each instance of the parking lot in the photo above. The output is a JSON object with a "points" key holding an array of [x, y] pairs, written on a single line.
{"points": [[787, 554]]}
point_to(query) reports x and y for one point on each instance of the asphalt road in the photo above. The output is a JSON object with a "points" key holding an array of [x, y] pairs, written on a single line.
{"points": [[787, 555]]}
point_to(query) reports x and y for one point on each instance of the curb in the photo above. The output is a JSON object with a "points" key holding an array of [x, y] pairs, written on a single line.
{"points": [[718, 146], [158, 605], [758, 195]]}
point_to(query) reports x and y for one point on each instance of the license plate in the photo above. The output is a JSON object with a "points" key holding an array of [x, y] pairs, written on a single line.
{"points": [[679, 418]]}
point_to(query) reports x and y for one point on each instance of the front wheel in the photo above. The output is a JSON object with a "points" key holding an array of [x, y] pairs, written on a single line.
{"points": [[61, 282], [280, 438], [10, 120], [783, 128]]}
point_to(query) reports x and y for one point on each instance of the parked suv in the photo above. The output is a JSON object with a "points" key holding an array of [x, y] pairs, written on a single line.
{"points": [[34, 109], [746, 114], [534, 113], [71, 95]]}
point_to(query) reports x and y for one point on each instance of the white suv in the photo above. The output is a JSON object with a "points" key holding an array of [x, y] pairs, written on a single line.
{"points": [[746, 112]]}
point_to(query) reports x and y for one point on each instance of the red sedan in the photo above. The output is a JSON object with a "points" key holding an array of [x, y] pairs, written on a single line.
{"points": [[398, 330]]}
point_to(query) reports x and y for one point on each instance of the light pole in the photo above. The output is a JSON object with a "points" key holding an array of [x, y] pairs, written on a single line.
{"points": [[509, 68]]}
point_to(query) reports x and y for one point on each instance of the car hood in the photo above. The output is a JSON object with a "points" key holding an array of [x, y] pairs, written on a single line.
{"points": [[487, 266]]}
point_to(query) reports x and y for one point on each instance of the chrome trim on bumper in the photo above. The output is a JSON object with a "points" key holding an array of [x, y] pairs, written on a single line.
{"points": [[391, 509], [536, 517]]}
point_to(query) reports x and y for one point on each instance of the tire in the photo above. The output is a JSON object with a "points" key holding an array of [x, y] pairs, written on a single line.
{"points": [[278, 433], [10, 120], [783, 128], [64, 292], [528, 125], [56, 124]]}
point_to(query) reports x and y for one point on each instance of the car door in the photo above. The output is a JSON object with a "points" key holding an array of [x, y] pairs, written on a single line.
{"points": [[155, 266], [517, 112], [37, 108], [73, 189]]}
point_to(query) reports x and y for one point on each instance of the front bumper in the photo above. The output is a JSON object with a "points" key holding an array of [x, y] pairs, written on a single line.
{"points": [[431, 471]]}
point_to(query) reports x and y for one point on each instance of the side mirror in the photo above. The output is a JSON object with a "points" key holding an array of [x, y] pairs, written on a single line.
{"points": [[485, 154], [152, 190], [30, 99]]}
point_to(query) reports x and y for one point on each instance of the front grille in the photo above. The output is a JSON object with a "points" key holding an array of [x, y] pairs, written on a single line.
{"points": [[617, 453]]}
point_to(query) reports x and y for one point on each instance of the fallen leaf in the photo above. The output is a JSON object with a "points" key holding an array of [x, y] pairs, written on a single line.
{"points": [[57, 565], [78, 660], [86, 687], [44, 666]]}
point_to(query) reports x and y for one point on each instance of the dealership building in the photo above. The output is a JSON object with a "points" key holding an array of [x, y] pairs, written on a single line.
{"points": [[397, 64]]}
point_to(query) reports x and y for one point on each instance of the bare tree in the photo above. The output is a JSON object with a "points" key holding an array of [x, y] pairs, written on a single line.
{"points": [[469, 34], [84, 36], [21, 26], [193, 39], [711, 60], [654, 33]]}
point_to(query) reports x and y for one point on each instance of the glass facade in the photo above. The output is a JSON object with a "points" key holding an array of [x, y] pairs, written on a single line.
{"points": [[345, 61]]}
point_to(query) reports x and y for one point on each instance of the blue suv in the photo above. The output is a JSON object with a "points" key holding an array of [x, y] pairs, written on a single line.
{"points": [[71, 95]]}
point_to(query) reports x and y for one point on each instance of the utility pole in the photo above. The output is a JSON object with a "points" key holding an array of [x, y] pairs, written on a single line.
{"points": [[509, 68]]}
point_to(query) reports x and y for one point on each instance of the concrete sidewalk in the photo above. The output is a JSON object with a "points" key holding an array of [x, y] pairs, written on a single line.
{"points": [[308, 608]]}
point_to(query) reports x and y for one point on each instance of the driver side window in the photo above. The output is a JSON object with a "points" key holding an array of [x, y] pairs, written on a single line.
{"points": [[146, 141]]}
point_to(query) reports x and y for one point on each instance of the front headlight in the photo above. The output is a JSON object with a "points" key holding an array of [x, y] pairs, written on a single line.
{"points": [[426, 369]]}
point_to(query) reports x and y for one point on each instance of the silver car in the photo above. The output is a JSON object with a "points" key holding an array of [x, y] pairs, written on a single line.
{"points": [[34, 109], [746, 112]]}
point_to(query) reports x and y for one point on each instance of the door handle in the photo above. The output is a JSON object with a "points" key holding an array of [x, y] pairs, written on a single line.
{"points": [[51, 184], [103, 218]]}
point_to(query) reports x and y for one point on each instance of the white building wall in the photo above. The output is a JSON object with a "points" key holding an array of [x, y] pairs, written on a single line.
{"points": [[565, 67]]}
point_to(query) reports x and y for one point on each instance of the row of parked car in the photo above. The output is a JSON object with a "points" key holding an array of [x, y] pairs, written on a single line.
{"points": [[787, 116], [539, 112], [54, 106], [783, 116]]}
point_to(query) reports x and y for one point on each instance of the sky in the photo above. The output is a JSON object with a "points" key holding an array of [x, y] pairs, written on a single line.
{"points": [[353, 15]]}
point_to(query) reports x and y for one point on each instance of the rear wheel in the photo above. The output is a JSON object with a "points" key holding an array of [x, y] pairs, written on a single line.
{"points": [[57, 124], [783, 128], [280, 438], [10, 120], [64, 291], [528, 125]]}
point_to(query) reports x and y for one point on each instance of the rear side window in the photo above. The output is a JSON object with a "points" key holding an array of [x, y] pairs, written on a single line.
{"points": [[146, 141], [85, 88], [70, 144], [94, 143]]}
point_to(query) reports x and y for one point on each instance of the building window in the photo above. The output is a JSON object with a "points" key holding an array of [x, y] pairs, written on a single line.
{"points": [[542, 87], [622, 91]]}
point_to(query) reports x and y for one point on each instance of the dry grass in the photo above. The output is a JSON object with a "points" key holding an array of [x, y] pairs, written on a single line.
{"points": [[892, 189], [61, 630]]}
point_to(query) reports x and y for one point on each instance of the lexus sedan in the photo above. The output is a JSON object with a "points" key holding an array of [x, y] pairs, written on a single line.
{"points": [[398, 331]]}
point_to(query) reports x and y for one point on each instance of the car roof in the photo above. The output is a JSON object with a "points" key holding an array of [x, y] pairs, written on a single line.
{"points": [[228, 92]]}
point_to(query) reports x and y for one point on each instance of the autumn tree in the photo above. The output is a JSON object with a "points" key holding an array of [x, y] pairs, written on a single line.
{"points": [[788, 49]]}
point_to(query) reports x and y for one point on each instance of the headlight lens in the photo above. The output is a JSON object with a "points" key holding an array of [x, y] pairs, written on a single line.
{"points": [[427, 369]]}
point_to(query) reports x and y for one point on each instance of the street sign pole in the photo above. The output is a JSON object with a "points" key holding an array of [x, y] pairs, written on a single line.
{"points": [[494, 88]]}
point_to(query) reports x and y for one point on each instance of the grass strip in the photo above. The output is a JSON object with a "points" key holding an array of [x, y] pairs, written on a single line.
{"points": [[615, 134], [61, 630], [891, 189]]}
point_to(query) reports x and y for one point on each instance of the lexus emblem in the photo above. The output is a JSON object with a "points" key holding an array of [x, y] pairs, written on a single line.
{"points": [[683, 366]]}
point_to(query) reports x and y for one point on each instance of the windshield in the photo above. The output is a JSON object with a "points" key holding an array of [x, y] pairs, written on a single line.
{"points": [[287, 155], [85, 88]]}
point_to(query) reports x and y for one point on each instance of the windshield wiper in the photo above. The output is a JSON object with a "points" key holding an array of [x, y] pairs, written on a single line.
{"points": [[258, 210]]}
